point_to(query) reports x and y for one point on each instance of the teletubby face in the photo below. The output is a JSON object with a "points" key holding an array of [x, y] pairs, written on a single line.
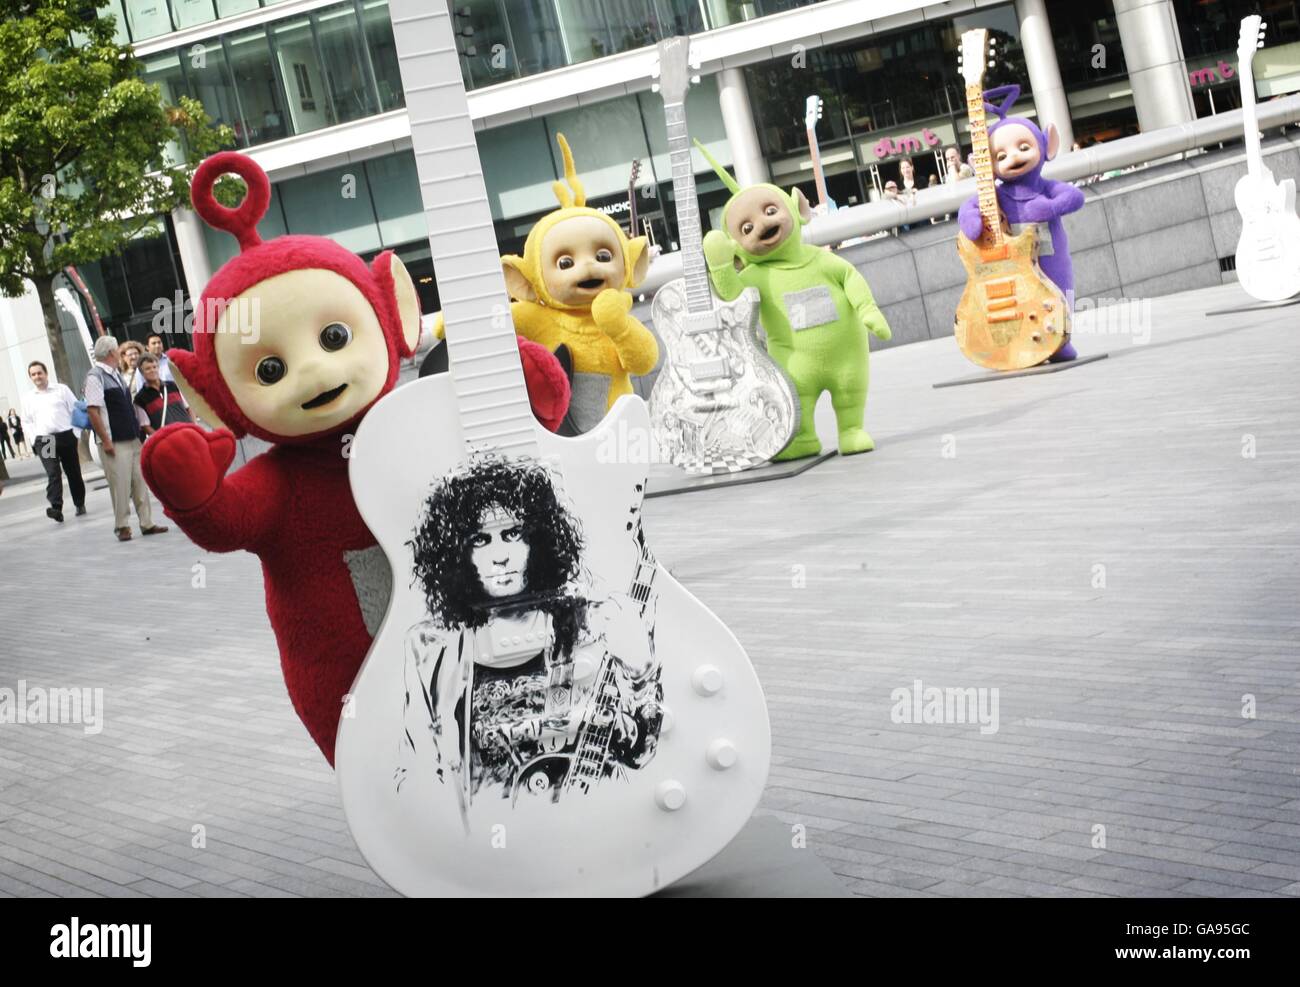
{"points": [[580, 257], [500, 555], [302, 352], [1015, 151], [759, 218]]}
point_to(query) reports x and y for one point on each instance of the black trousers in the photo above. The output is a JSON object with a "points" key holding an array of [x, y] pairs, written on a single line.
{"points": [[5, 444], [58, 453]]}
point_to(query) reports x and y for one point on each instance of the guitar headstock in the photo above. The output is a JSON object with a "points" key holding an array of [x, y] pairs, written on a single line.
{"points": [[1250, 38], [673, 68], [976, 53], [812, 111], [636, 172]]}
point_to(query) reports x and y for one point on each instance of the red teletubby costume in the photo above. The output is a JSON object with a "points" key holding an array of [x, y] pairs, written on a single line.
{"points": [[323, 326]]}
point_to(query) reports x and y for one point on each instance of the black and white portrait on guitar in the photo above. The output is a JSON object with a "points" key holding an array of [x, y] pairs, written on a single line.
{"points": [[523, 681]]}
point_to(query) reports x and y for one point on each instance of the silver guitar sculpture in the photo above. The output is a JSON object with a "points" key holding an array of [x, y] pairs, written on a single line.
{"points": [[720, 403]]}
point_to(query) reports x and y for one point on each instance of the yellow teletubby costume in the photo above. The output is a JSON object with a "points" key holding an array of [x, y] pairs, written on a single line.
{"points": [[572, 289]]}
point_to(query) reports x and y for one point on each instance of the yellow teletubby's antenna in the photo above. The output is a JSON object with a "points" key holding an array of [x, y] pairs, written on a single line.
{"points": [[578, 195]]}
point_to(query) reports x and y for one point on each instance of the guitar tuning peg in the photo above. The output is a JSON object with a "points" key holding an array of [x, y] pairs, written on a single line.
{"points": [[992, 42], [992, 64], [654, 87], [695, 80]]}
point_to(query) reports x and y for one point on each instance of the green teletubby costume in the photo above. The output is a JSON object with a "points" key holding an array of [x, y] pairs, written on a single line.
{"points": [[816, 309]]}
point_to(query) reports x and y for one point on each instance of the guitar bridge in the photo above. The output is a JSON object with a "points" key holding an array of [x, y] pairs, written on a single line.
{"points": [[694, 323], [711, 369]]}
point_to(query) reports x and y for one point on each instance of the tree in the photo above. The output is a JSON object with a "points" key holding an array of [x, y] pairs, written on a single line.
{"points": [[84, 162]]}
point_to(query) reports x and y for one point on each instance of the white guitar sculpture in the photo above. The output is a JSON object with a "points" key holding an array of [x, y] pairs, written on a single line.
{"points": [[1268, 253], [720, 404], [812, 112], [545, 710]]}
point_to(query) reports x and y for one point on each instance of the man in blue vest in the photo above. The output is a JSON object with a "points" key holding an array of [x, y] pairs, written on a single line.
{"points": [[113, 418]]}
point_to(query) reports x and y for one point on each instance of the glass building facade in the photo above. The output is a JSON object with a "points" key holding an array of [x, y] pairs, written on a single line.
{"points": [[319, 69]]}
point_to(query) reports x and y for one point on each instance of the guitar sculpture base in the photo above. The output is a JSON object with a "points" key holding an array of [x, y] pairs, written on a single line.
{"points": [[760, 863], [1046, 368], [668, 480], [1254, 307]]}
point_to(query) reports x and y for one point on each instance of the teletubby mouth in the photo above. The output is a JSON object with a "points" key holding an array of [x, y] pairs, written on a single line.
{"points": [[769, 233], [590, 284], [324, 398]]}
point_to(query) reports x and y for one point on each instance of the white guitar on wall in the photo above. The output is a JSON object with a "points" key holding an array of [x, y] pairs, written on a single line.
{"points": [[720, 404], [545, 710], [1268, 253]]}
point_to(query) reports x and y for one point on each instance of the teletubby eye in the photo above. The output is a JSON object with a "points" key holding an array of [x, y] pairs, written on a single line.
{"points": [[335, 336], [770, 211], [1024, 145], [564, 263], [271, 370], [747, 229], [604, 256]]}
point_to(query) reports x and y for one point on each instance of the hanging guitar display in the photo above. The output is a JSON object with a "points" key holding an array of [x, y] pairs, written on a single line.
{"points": [[631, 199], [544, 710], [720, 404], [1268, 252], [812, 113], [1011, 316]]}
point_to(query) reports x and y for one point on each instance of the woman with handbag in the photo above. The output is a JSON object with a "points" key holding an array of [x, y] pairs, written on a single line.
{"points": [[17, 435]]}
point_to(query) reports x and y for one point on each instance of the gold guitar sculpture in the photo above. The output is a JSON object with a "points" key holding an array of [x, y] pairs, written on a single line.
{"points": [[1011, 316]]}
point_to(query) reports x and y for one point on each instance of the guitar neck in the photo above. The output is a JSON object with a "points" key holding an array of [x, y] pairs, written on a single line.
{"points": [[486, 373], [985, 183], [1250, 119], [823, 197], [699, 296]]}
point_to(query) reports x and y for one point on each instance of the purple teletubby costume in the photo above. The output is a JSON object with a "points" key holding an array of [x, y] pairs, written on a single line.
{"points": [[1031, 199]]}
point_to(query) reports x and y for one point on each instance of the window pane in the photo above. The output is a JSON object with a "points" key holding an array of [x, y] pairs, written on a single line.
{"points": [[164, 71], [295, 52], [228, 8], [222, 246], [147, 261], [188, 13], [210, 83], [147, 18], [344, 63], [334, 203], [383, 53], [396, 190], [535, 26], [483, 37], [518, 178], [583, 30], [259, 90], [114, 9]]}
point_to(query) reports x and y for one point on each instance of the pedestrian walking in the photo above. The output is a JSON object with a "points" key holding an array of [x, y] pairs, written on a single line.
{"points": [[113, 417], [17, 435], [4, 441], [47, 415]]}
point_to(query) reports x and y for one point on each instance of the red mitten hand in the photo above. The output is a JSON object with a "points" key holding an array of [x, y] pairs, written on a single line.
{"points": [[548, 387], [183, 464]]}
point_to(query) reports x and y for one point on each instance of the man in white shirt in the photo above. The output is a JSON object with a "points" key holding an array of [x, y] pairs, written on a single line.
{"points": [[113, 417], [154, 344], [47, 418]]}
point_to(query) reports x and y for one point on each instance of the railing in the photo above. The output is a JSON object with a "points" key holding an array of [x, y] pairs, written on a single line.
{"points": [[875, 217]]}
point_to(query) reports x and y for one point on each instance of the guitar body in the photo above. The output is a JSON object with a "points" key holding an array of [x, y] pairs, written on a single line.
{"points": [[720, 404], [1011, 316], [567, 821], [1268, 252]]}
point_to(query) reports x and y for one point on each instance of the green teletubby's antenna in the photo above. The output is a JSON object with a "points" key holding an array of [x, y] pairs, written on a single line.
{"points": [[725, 175]]}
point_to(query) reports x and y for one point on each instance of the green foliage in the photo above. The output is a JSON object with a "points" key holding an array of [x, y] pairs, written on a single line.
{"points": [[84, 141]]}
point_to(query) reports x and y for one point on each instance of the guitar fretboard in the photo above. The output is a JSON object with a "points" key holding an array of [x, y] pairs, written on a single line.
{"points": [[486, 374], [699, 297], [985, 183], [1250, 119]]}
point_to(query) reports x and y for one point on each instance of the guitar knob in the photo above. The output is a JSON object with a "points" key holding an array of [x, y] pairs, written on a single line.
{"points": [[670, 795], [721, 754], [707, 680], [1037, 337]]}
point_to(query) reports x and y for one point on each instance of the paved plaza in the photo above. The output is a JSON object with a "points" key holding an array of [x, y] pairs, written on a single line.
{"points": [[1114, 549]]}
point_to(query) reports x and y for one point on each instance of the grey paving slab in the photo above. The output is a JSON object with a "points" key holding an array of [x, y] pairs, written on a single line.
{"points": [[1114, 550]]}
